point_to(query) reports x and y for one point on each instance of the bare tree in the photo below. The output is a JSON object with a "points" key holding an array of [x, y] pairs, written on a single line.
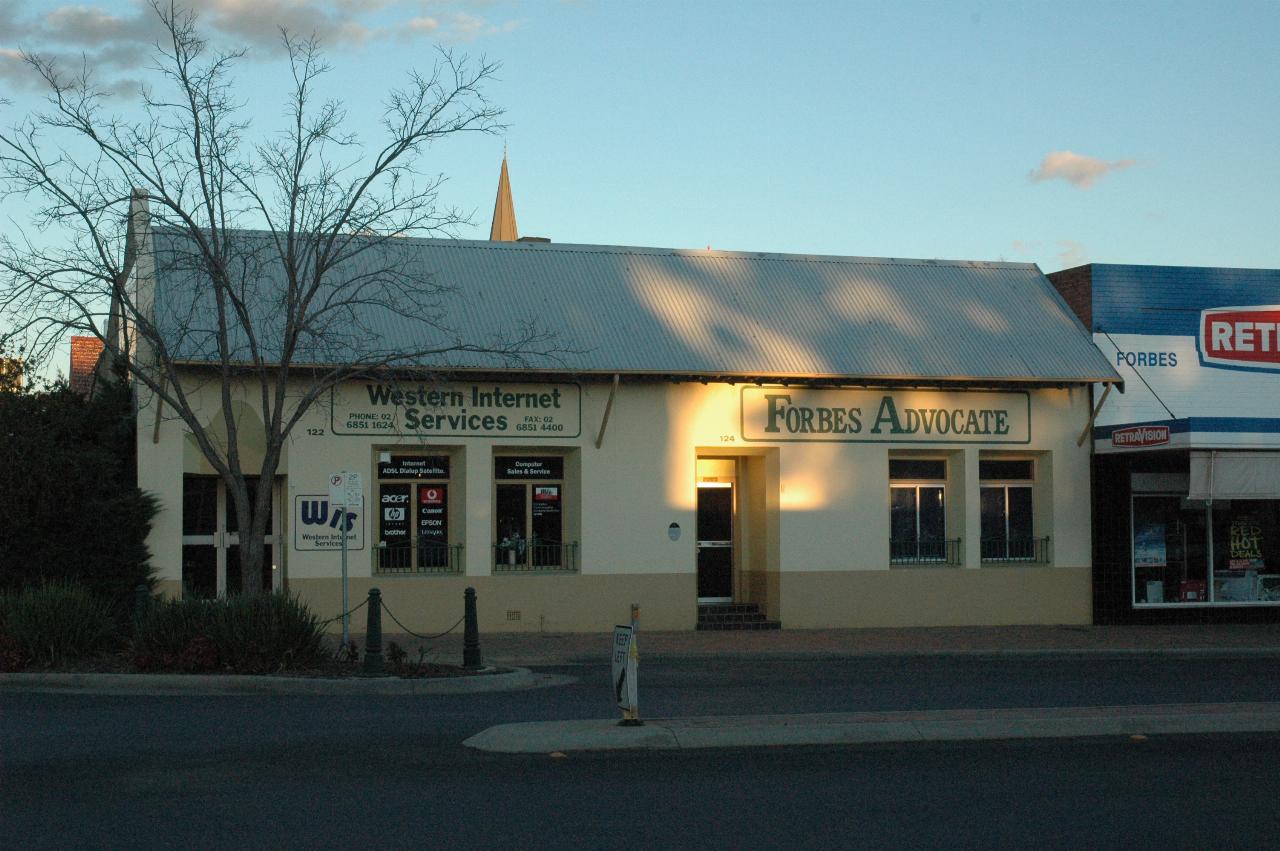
{"points": [[287, 240]]}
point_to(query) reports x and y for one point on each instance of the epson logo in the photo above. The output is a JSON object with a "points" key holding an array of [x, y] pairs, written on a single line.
{"points": [[1240, 337]]}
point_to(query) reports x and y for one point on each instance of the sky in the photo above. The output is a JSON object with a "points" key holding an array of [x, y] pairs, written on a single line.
{"points": [[1054, 133]]}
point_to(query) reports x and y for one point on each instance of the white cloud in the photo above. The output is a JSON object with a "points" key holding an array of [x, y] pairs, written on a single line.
{"points": [[420, 25], [15, 72], [1078, 170], [1072, 254], [119, 37], [1067, 252]]}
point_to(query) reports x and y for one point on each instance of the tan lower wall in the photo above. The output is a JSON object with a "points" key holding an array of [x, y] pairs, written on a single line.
{"points": [[545, 603], [988, 596], [762, 589]]}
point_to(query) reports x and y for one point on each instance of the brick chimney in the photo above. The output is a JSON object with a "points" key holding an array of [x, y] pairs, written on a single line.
{"points": [[84, 364]]}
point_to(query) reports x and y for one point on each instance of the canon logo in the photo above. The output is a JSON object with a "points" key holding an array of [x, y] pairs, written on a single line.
{"points": [[1240, 337]]}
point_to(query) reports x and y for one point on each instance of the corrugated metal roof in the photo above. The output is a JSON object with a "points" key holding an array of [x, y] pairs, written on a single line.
{"points": [[686, 312]]}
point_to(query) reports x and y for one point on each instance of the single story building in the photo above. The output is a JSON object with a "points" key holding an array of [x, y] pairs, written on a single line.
{"points": [[1187, 465], [721, 437]]}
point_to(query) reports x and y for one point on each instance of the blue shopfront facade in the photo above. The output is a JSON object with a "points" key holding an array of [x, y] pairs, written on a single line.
{"points": [[1186, 484]]}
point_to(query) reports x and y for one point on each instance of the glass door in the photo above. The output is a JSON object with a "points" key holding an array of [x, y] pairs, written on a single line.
{"points": [[715, 542], [211, 539]]}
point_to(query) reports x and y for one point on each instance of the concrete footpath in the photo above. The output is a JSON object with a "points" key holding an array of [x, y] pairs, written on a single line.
{"points": [[537, 649], [489, 680], [518, 651], [1227, 641], [846, 728]]}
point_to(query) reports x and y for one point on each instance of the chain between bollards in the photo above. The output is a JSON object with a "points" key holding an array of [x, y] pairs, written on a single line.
{"points": [[471, 631], [373, 663]]}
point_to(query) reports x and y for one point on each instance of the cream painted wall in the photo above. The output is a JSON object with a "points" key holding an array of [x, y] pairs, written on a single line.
{"points": [[825, 509]]}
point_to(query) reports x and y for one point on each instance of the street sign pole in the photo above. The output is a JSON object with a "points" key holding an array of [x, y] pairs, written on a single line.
{"points": [[346, 609], [634, 654], [345, 490]]}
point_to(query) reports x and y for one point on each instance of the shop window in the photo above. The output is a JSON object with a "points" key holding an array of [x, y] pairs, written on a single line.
{"points": [[413, 516], [1246, 551], [917, 513], [1008, 520], [529, 515], [1194, 552]]}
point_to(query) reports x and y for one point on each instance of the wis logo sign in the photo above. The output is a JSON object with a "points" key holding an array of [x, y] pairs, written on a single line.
{"points": [[317, 526]]}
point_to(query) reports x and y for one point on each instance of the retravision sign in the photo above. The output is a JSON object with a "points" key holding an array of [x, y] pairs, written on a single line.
{"points": [[1139, 437], [1240, 337], [415, 409], [789, 414]]}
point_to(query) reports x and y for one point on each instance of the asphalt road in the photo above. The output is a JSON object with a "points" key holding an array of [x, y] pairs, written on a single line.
{"points": [[263, 771]]}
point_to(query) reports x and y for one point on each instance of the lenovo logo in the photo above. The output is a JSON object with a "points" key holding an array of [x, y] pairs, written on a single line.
{"points": [[1139, 436], [1240, 337]]}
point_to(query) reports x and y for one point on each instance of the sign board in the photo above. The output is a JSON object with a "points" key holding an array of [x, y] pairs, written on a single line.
{"points": [[1240, 337], [317, 524], [377, 409], [414, 467], [393, 515], [1246, 544], [345, 488], [1140, 436], [625, 664], [794, 414], [545, 467]]}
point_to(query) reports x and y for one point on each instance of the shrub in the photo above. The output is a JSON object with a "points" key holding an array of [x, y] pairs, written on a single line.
{"points": [[252, 634], [53, 624], [70, 509], [171, 635], [267, 632]]}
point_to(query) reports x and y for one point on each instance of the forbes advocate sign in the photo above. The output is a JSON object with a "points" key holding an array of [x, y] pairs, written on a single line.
{"points": [[884, 416], [317, 525], [410, 409], [1240, 337]]}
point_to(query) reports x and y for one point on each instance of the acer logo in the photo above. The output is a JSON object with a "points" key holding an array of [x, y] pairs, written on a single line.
{"points": [[1139, 436], [1247, 337]]}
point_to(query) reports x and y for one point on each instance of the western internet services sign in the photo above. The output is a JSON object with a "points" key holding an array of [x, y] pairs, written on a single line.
{"points": [[490, 409], [791, 414]]}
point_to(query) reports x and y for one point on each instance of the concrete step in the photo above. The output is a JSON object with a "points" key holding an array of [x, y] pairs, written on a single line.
{"points": [[722, 626], [733, 616], [727, 608]]}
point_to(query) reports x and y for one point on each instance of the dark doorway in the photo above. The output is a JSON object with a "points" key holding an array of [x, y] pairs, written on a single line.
{"points": [[715, 542]]}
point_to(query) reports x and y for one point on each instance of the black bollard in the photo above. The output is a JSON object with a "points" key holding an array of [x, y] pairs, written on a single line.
{"points": [[470, 631], [141, 602], [373, 666]]}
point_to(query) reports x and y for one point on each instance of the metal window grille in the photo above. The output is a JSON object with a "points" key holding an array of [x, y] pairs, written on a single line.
{"points": [[912, 551], [1029, 550], [399, 558], [536, 558]]}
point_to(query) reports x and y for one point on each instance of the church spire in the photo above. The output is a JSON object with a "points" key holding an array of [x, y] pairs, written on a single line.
{"points": [[503, 228]]}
